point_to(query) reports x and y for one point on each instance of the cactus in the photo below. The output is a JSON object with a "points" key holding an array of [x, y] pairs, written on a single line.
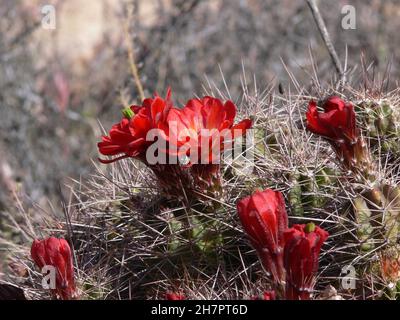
{"points": [[380, 121], [310, 188], [192, 231], [376, 212], [133, 241], [362, 216]]}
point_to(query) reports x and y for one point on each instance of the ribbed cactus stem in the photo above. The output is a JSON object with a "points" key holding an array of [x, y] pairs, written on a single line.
{"points": [[295, 195], [384, 204], [363, 218], [381, 122], [260, 136], [309, 188], [392, 214]]}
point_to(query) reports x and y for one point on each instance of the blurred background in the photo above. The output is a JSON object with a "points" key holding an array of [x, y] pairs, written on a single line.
{"points": [[57, 84]]}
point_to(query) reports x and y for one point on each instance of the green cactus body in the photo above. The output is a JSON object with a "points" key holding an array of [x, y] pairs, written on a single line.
{"points": [[309, 189], [260, 140], [378, 211], [380, 119], [363, 218], [206, 236], [272, 142], [201, 233], [392, 214], [175, 228], [295, 196]]}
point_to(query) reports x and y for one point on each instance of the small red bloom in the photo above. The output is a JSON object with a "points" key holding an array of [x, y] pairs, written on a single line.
{"points": [[390, 265], [174, 296], [57, 253], [337, 122], [264, 218], [338, 125], [269, 295], [128, 138], [302, 247], [121, 141]]}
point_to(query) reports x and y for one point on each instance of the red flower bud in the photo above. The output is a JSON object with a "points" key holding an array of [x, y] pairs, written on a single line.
{"points": [[338, 124], [264, 218], [57, 253], [174, 296], [302, 247]]}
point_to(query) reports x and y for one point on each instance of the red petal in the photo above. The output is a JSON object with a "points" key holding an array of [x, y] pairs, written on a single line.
{"points": [[333, 103], [243, 125], [313, 122], [230, 111]]}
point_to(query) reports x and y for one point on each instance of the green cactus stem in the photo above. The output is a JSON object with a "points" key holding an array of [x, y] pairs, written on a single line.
{"points": [[380, 121], [363, 218], [295, 196], [310, 188], [377, 212]]}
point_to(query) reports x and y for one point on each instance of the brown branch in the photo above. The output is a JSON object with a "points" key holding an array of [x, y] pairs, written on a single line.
{"points": [[326, 38], [131, 56]]}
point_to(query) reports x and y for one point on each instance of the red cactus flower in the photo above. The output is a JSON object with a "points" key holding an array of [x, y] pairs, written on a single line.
{"points": [[302, 247], [174, 296], [57, 253], [269, 295], [128, 138], [390, 265], [121, 141], [264, 218], [205, 121], [338, 124], [175, 127]]}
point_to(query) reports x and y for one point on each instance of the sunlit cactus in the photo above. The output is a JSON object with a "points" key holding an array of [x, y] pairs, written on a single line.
{"points": [[380, 119], [310, 188], [139, 233]]}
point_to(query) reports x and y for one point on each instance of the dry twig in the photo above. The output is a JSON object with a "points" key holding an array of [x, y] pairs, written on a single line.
{"points": [[327, 39]]}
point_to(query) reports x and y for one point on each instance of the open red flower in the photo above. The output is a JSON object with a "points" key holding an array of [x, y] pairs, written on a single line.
{"points": [[121, 141], [204, 122], [156, 120], [264, 218], [302, 247], [197, 122], [57, 253], [128, 138], [337, 122]]}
